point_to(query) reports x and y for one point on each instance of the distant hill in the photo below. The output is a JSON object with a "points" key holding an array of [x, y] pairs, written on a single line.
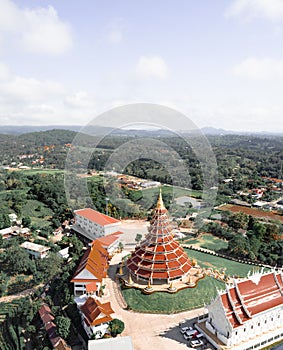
{"points": [[102, 130]]}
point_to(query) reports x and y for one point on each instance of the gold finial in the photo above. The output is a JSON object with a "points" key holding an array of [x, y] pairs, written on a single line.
{"points": [[130, 281], [148, 285], [160, 204]]}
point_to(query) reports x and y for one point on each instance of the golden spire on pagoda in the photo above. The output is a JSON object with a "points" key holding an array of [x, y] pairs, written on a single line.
{"points": [[130, 281], [160, 204]]}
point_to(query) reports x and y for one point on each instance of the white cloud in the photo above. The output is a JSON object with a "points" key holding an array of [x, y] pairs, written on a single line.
{"points": [[38, 30], [80, 99], [268, 9], [21, 90], [151, 67], [260, 69], [33, 101]]}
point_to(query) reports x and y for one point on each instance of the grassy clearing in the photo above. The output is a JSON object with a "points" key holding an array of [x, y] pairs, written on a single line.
{"points": [[187, 299], [151, 193], [36, 209], [208, 241], [233, 268]]}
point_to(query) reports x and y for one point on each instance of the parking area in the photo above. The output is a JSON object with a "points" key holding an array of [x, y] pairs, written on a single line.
{"points": [[193, 338]]}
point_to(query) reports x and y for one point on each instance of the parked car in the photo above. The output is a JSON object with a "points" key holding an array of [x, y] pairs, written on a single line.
{"points": [[185, 329], [189, 334], [196, 343]]}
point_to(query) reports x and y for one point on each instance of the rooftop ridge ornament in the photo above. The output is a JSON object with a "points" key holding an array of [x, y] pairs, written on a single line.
{"points": [[160, 204]]}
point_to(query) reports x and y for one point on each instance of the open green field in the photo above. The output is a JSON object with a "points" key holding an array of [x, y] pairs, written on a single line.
{"points": [[231, 267], [151, 193], [190, 298], [187, 299], [207, 241]]}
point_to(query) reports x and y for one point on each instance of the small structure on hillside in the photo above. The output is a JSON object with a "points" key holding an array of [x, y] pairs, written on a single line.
{"points": [[37, 251]]}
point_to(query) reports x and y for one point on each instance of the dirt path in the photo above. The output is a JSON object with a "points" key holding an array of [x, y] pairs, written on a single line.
{"points": [[24, 293]]}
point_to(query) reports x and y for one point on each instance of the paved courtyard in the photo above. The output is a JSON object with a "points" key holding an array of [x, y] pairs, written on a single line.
{"points": [[131, 228]]}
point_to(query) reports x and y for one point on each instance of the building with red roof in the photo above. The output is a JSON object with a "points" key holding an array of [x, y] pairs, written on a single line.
{"points": [[158, 259], [47, 319], [93, 224], [96, 316], [247, 315], [110, 242], [91, 271]]}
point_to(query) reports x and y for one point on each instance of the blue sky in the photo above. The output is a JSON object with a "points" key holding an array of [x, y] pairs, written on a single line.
{"points": [[219, 62]]}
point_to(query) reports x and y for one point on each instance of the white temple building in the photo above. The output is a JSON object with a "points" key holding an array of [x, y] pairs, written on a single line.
{"points": [[247, 315]]}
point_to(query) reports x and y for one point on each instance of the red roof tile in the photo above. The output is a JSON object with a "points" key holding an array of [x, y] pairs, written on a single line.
{"points": [[252, 296], [95, 216], [95, 312], [106, 241], [95, 260]]}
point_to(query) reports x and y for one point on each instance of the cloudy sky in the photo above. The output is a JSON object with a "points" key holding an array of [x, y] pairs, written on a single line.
{"points": [[65, 61]]}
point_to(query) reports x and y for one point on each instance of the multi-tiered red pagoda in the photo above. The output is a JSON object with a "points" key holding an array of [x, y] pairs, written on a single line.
{"points": [[158, 259]]}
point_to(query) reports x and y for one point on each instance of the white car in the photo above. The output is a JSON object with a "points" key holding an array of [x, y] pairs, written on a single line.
{"points": [[190, 334], [185, 329], [195, 343]]}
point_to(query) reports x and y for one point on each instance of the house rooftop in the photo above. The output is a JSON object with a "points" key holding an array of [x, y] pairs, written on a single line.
{"points": [[106, 241], [95, 260], [34, 247], [95, 312], [97, 217]]}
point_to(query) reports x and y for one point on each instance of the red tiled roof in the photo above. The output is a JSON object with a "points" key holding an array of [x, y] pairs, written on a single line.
{"points": [[95, 216], [250, 297], [107, 240], [95, 312], [95, 260], [44, 309]]}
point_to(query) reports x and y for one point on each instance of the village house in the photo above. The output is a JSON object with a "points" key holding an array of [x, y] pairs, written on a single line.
{"points": [[37, 251], [47, 319]]}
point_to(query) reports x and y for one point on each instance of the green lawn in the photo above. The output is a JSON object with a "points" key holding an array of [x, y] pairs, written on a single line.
{"points": [[215, 262], [189, 298], [151, 193], [208, 241]]}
